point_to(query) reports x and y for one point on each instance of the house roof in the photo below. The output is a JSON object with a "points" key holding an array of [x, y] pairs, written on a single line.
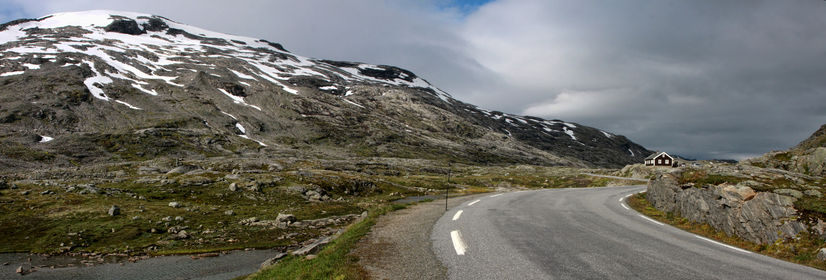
{"points": [[657, 154]]}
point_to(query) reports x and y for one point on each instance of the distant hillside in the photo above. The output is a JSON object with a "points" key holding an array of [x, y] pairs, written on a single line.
{"points": [[808, 157], [102, 86], [818, 139]]}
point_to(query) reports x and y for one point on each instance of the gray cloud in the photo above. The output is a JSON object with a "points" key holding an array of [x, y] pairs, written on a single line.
{"points": [[706, 79]]}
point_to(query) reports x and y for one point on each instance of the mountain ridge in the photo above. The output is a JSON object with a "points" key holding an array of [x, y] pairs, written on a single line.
{"points": [[106, 85]]}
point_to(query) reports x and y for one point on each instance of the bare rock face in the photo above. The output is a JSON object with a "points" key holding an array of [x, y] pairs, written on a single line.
{"points": [[760, 217]]}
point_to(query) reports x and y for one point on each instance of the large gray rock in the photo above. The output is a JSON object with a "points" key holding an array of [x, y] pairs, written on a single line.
{"points": [[821, 254], [735, 209], [285, 218], [114, 210]]}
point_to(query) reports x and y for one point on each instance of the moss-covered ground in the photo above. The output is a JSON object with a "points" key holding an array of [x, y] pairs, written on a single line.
{"points": [[66, 211]]}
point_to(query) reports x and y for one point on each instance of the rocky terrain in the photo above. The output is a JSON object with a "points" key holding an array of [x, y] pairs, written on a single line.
{"points": [[808, 157], [103, 86], [768, 199]]}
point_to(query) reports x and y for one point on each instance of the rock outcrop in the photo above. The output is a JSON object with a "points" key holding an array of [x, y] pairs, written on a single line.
{"points": [[736, 209]]}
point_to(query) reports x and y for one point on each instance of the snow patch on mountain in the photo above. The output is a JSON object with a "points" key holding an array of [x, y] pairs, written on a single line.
{"points": [[128, 105]]}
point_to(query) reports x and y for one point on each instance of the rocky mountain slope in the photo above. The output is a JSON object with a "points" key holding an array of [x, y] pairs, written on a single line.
{"points": [[808, 157], [103, 86]]}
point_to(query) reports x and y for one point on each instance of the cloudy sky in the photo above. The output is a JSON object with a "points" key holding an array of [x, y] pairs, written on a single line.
{"points": [[703, 79]]}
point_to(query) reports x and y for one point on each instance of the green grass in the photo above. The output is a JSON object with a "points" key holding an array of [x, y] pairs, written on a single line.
{"points": [[333, 262]]}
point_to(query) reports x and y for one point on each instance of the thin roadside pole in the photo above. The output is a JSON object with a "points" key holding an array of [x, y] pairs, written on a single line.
{"points": [[447, 189]]}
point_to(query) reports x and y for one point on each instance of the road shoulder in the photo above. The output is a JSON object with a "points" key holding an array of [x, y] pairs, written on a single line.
{"points": [[399, 246]]}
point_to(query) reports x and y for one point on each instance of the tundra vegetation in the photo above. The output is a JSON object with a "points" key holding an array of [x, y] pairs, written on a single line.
{"points": [[172, 206]]}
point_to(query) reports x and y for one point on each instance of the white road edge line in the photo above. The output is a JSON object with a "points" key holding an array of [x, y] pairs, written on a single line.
{"points": [[469, 204], [652, 220], [458, 243], [722, 244], [456, 217], [495, 195], [622, 198], [626, 207]]}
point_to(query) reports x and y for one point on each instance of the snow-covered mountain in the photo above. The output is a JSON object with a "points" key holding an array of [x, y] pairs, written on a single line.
{"points": [[107, 85]]}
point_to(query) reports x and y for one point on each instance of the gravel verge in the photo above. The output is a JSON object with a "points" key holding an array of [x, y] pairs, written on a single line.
{"points": [[399, 246]]}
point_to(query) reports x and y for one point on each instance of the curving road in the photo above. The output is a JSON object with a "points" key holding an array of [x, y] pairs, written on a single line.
{"points": [[585, 234]]}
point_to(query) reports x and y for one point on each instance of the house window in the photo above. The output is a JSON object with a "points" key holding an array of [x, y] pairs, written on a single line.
{"points": [[666, 161], [659, 161]]}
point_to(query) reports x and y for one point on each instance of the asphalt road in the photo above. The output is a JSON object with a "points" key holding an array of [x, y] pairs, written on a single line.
{"points": [[585, 234]]}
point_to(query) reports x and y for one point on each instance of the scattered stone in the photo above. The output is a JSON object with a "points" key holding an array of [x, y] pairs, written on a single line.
{"points": [[789, 192], [297, 189], [310, 257], [209, 255], [167, 219], [114, 210], [814, 193], [229, 212], [233, 187], [273, 260], [286, 218], [180, 235], [821, 254], [25, 193], [182, 169], [90, 188], [46, 193], [179, 218], [20, 270], [146, 170], [175, 204], [136, 218]]}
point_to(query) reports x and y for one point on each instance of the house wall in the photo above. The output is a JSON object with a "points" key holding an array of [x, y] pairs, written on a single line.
{"points": [[663, 160]]}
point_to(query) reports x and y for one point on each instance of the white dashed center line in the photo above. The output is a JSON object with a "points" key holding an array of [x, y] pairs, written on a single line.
{"points": [[458, 243], [469, 204], [495, 195], [626, 207], [456, 217]]}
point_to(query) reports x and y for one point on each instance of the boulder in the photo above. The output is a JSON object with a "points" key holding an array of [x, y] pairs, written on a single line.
{"points": [[175, 204], [114, 210], [273, 260], [814, 193], [182, 169], [286, 218], [734, 209], [789, 192], [821, 254], [233, 187]]}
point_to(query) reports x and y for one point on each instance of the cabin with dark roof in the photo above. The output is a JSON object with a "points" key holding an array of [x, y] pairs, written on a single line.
{"points": [[660, 159]]}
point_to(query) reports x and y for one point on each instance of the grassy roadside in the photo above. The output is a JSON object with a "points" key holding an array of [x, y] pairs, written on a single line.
{"points": [[333, 262], [801, 250]]}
